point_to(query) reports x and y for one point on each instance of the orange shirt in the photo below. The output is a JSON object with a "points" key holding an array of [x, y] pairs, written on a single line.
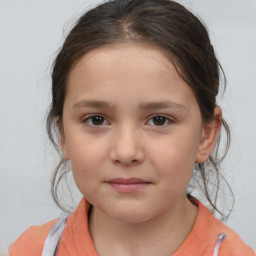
{"points": [[76, 239]]}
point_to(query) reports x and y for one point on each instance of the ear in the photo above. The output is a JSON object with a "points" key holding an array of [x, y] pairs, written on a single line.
{"points": [[209, 136], [63, 143]]}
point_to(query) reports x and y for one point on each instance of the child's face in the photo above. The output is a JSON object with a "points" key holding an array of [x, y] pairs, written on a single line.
{"points": [[124, 140]]}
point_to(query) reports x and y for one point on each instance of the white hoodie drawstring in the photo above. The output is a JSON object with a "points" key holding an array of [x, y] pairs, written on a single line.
{"points": [[221, 237], [53, 238]]}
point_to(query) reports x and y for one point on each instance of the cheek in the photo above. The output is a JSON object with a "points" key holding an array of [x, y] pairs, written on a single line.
{"points": [[177, 150], [175, 159], [85, 151], [86, 159]]}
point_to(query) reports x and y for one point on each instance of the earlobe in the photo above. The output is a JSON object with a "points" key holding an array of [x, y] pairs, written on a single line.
{"points": [[64, 148], [63, 143], [209, 136]]}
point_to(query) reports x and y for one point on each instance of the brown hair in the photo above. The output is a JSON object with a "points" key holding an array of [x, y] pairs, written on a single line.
{"points": [[161, 23]]}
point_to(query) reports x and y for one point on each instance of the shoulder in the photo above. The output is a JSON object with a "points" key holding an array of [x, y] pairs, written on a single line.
{"points": [[31, 242], [232, 245]]}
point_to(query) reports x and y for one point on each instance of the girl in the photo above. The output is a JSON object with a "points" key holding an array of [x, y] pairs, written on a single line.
{"points": [[134, 105]]}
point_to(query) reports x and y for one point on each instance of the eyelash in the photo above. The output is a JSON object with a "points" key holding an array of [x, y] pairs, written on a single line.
{"points": [[98, 115]]}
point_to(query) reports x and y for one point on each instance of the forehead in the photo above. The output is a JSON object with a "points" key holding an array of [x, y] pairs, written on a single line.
{"points": [[130, 54], [127, 71]]}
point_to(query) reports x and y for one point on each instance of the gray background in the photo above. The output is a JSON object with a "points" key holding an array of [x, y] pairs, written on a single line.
{"points": [[30, 33]]}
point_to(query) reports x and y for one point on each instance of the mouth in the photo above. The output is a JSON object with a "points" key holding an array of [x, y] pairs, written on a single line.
{"points": [[128, 185]]}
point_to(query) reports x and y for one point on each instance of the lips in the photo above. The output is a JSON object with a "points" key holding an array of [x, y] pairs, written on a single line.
{"points": [[127, 181], [128, 185]]}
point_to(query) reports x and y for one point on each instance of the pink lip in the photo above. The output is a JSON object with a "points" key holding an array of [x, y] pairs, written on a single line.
{"points": [[128, 185]]}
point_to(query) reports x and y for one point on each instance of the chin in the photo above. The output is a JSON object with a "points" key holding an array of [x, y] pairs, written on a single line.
{"points": [[129, 215]]}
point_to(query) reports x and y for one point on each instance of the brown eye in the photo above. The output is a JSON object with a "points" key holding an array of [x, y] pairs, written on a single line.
{"points": [[95, 120], [160, 120]]}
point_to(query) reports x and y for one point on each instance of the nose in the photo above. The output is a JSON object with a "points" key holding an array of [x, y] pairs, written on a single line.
{"points": [[127, 147]]}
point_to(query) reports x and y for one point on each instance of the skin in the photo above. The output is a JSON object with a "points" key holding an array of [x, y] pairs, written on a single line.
{"points": [[128, 142]]}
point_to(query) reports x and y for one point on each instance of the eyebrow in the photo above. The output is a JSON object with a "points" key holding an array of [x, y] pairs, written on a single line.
{"points": [[98, 104]]}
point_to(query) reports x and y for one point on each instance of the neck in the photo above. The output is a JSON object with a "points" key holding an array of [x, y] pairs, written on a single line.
{"points": [[162, 235]]}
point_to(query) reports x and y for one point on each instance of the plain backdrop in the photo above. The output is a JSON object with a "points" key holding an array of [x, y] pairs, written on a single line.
{"points": [[31, 31]]}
